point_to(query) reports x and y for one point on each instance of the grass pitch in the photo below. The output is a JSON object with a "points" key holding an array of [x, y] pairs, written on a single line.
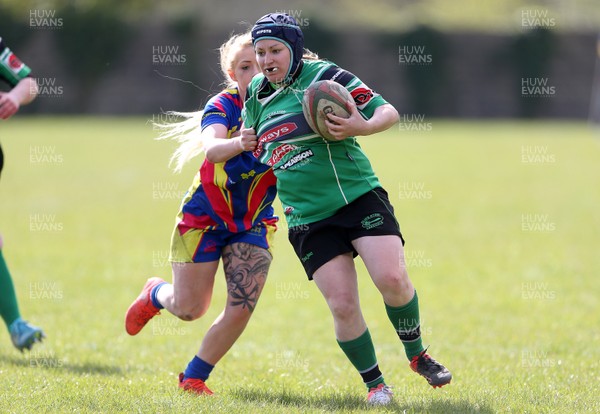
{"points": [[501, 221]]}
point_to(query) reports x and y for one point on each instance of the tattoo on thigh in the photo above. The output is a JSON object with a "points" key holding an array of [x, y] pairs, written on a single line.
{"points": [[246, 267]]}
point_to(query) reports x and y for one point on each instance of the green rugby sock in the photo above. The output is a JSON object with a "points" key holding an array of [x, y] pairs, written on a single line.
{"points": [[407, 325], [9, 308], [361, 353]]}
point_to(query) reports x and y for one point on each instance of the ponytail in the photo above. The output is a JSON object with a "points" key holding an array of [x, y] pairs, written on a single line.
{"points": [[187, 132]]}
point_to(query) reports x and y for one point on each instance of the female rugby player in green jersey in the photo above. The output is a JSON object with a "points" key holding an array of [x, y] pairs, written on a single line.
{"points": [[333, 202], [23, 90]]}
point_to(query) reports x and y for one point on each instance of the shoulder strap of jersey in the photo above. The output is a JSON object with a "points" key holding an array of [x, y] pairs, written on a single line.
{"points": [[337, 74]]}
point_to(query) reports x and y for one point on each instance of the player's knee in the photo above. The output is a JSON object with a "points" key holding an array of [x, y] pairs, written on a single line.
{"points": [[394, 281], [188, 317], [238, 314], [189, 312], [344, 308]]}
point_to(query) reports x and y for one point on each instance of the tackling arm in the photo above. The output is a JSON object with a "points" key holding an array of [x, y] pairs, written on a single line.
{"points": [[219, 149]]}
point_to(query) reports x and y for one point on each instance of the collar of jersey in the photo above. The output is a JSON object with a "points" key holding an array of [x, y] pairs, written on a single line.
{"points": [[266, 87]]}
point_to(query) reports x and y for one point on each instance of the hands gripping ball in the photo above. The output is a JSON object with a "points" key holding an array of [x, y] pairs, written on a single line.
{"points": [[324, 97]]}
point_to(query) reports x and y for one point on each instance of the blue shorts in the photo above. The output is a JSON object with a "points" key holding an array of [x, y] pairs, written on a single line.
{"points": [[204, 243]]}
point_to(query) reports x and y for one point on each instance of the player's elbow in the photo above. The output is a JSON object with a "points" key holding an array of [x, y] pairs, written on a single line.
{"points": [[392, 114], [213, 155]]}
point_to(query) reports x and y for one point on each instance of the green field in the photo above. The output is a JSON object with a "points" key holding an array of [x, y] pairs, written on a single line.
{"points": [[502, 225]]}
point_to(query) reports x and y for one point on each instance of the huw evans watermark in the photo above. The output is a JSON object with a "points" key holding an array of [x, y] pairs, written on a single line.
{"points": [[290, 290], [48, 88], [537, 359], [414, 191], [290, 360], [537, 18], [417, 258], [297, 15], [535, 222], [537, 154], [537, 291], [414, 55], [41, 359], [45, 154], [45, 290], [537, 88], [44, 19], [41, 222], [414, 123], [165, 190], [168, 55]]}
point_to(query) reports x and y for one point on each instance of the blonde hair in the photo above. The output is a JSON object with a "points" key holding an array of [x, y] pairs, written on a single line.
{"points": [[228, 51], [188, 131], [310, 55]]}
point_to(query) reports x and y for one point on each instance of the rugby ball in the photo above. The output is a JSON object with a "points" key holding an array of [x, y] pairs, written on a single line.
{"points": [[324, 97]]}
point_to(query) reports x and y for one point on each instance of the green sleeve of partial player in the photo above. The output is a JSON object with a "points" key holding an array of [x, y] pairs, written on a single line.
{"points": [[11, 68]]}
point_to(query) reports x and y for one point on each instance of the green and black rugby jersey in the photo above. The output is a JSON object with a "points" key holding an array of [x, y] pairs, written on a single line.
{"points": [[315, 177], [12, 70]]}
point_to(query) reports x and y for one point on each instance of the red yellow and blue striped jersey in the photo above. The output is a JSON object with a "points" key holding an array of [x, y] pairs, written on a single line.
{"points": [[236, 194]]}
